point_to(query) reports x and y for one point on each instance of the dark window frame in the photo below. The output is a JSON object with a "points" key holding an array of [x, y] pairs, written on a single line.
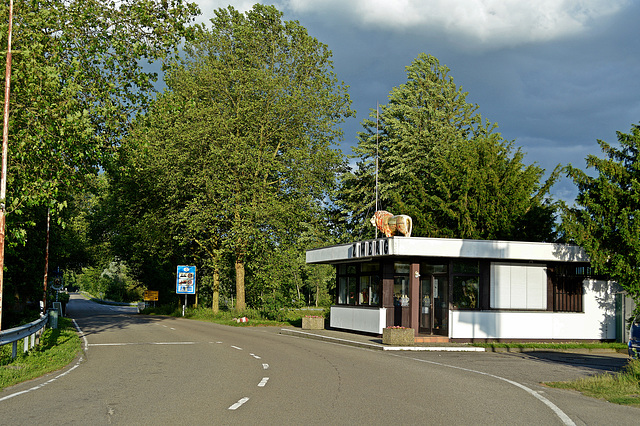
{"points": [[452, 283], [356, 274]]}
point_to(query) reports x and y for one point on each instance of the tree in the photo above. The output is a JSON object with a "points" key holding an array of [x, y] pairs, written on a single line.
{"points": [[606, 219], [238, 151], [440, 163], [77, 81]]}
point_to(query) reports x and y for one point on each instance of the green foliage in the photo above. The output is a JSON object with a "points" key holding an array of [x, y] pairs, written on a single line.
{"points": [[111, 283], [229, 167], [441, 164], [606, 220], [61, 296], [230, 316], [77, 82]]}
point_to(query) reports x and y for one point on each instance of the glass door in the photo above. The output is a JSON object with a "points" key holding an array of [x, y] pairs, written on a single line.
{"points": [[434, 304], [440, 286], [426, 309]]}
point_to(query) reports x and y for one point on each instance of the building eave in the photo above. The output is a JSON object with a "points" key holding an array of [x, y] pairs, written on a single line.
{"points": [[448, 248]]}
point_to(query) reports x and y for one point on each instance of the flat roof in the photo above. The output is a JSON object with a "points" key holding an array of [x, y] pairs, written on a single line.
{"points": [[448, 248]]}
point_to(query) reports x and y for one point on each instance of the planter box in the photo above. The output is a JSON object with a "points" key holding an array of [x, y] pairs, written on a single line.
{"points": [[398, 336], [312, 323]]}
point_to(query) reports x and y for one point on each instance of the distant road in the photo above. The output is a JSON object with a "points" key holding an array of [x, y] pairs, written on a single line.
{"points": [[158, 370]]}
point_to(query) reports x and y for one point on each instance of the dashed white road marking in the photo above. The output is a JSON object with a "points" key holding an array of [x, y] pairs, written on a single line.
{"points": [[235, 347], [255, 356], [143, 343], [265, 366], [263, 382], [239, 403]]}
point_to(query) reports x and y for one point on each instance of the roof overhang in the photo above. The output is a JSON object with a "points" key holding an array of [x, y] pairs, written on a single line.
{"points": [[448, 248]]}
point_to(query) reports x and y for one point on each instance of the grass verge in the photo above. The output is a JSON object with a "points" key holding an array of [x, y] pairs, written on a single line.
{"points": [[619, 388], [56, 350], [556, 346], [256, 318]]}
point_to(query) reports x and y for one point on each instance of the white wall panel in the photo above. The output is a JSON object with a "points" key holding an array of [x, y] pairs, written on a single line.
{"points": [[369, 320], [597, 322]]}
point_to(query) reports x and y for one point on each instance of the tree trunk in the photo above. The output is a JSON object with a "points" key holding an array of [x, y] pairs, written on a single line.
{"points": [[215, 304], [295, 279], [240, 304]]}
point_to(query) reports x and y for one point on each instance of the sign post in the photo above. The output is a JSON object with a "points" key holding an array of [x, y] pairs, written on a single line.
{"points": [[185, 282], [151, 296]]}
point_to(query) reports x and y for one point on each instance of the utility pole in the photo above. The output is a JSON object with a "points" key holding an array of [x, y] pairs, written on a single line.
{"points": [[46, 265], [5, 151]]}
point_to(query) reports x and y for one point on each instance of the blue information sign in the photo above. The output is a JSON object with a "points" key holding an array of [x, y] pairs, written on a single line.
{"points": [[186, 280]]}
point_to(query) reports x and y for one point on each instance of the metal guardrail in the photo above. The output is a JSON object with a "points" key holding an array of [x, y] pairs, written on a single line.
{"points": [[27, 332]]}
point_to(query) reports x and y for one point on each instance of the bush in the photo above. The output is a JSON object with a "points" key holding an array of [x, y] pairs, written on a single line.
{"points": [[112, 283]]}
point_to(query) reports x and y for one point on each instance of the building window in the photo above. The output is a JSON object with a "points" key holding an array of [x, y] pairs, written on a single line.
{"points": [[518, 286], [401, 284], [466, 285], [466, 291], [359, 285]]}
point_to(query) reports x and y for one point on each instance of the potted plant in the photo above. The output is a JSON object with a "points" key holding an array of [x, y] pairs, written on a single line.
{"points": [[398, 336], [312, 322]]}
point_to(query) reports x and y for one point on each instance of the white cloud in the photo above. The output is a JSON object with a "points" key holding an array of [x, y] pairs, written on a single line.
{"points": [[208, 6], [490, 23]]}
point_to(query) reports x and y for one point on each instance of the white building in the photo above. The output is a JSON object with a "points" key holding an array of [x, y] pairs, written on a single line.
{"points": [[469, 290]]}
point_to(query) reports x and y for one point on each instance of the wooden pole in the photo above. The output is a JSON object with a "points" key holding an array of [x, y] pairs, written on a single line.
{"points": [[46, 265], [5, 150]]}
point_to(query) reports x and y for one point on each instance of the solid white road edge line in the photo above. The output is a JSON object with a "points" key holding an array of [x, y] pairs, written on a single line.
{"points": [[558, 412], [84, 338], [561, 414]]}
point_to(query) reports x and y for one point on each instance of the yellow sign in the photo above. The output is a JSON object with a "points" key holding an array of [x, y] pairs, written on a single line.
{"points": [[150, 296]]}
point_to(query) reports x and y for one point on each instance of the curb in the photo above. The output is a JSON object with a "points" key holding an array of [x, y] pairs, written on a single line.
{"points": [[376, 347], [379, 347]]}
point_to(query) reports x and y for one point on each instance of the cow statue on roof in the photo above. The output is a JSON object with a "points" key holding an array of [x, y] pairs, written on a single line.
{"points": [[389, 224]]}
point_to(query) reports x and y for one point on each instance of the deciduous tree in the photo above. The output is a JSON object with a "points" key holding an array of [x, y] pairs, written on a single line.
{"points": [[78, 78], [240, 147]]}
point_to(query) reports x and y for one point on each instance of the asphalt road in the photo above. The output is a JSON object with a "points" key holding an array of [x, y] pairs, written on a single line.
{"points": [[150, 370]]}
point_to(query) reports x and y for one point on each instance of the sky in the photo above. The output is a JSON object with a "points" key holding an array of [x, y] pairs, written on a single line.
{"points": [[554, 75]]}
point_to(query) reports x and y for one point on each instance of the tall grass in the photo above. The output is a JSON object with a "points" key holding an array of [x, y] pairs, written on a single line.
{"points": [[560, 346], [620, 388], [56, 350]]}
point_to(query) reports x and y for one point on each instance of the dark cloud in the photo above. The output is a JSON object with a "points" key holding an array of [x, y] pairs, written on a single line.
{"points": [[554, 86]]}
